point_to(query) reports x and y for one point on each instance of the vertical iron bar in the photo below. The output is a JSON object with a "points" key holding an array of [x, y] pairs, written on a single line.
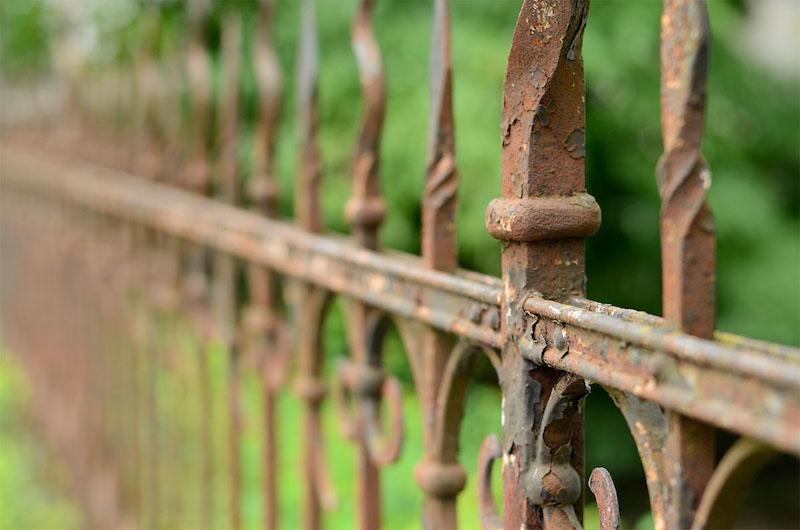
{"points": [[151, 411], [148, 164], [365, 212], [196, 281], [225, 266], [206, 436], [440, 204], [271, 508], [307, 205], [197, 177], [146, 158], [687, 231], [366, 209], [543, 168], [311, 301], [263, 283], [439, 252]]}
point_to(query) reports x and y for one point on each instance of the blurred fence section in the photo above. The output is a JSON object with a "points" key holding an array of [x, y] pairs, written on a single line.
{"points": [[128, 220]]}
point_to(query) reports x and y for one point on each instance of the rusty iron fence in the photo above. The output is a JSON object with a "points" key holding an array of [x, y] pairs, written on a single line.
{"points": [[125, 207]]}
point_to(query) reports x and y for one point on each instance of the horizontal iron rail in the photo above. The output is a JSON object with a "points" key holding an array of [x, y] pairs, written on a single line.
{"points": [[743, 385]]}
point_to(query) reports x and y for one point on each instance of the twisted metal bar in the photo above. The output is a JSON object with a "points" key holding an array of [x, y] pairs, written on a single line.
{"points": [[266, 331], [312, 301], [366, 209], [687, 225], [687, 228], [197, 175], [263, 190], [445, 373], [439, 206], [307, 205], [365, 212], [146, 157]]}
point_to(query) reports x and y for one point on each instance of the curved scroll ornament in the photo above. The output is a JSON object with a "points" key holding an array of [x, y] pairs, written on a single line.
{"points": [[440, 475], [550, 479], [366, 209], [648, 423], [311, 308], [490, 451], [362, 382], [605, 493], [371, 385], [722, 498], [730, 482]]}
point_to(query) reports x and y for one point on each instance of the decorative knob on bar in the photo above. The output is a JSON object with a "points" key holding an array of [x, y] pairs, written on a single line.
{"points": [[541, 218], [366, 209], [264, 194], [263, 189], [366, 213], [310, 389], [440, 479]]}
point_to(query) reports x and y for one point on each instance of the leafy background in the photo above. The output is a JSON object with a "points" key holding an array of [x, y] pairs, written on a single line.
{"points": [[752, 146]]}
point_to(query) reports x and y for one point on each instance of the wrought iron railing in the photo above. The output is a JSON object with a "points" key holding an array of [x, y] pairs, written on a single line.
{"points": [[109, 229]]}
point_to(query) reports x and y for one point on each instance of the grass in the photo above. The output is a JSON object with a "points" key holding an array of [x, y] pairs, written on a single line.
{"points": [[32, 482], [44, 503]]}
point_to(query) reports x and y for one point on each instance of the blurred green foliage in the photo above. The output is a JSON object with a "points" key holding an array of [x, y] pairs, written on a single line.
{"points": [[32, 482], [751, 142], [752, 146]]}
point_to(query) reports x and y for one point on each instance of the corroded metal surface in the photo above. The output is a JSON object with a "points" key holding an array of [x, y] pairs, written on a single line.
{"points": [[606, 494], [543, 180], [365, 211], [197, 178], [228, 188], [465, 304], [312, 302], [264, 330], [687, 229], [445, 367], [112, 234]]}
